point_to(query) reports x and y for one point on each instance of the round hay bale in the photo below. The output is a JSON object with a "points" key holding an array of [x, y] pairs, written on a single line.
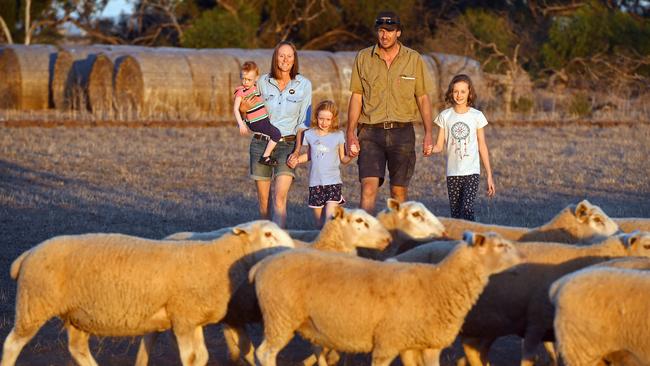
{"points": [[215, 75], [344, 62], [25, 73], [100, 79], [262, 57], [70, 76], [432, 83], [449, 65], [320, 68], [154, 84]]}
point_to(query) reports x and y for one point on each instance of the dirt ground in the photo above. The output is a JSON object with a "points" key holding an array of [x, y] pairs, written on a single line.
{"points": [[159, 180]]}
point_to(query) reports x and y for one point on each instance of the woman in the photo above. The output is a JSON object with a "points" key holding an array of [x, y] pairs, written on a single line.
{"points": [[287, 96]]}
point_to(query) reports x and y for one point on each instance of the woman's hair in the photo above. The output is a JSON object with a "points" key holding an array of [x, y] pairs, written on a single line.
{"points": [[250, 66], [275, 71], [449, 95], [330, 106]]}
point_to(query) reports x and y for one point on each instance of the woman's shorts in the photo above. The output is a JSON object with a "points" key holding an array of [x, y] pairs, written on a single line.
{"points": [[259, 171], [320, 195]]}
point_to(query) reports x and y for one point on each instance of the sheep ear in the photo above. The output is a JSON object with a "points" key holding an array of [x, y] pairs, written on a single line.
{"points": [[582, 210], [241, 229], [392, 204], [473, 239], [338, 213], [632, 238]]}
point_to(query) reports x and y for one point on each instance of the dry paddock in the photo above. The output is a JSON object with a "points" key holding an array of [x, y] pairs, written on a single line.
{"points": [[158, 180]]}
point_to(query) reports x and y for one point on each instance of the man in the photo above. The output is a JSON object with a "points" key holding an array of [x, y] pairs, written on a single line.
{"points": [[388, 92]]}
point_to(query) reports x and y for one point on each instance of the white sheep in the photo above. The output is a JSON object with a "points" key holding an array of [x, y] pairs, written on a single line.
{"points": [[580, 223], [119, 285], [516, 302], [602, 316], [379, 307], [344, 233]]}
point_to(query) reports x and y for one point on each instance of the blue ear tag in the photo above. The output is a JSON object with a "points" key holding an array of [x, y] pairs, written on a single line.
{"points": [[291, 91]]}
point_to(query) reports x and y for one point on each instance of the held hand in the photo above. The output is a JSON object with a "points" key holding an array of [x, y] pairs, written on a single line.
{"points": [[491, 191], [427, 145], [353, 146], [292, 161]]}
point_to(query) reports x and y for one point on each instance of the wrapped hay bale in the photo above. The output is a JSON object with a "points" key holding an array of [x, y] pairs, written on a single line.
{"points": [[321, 70], [100, 78], [344, 62], [25, 73], [262, 57], [449, 65], [70, 76], [153, 84], [433, 84], [215, 75]]}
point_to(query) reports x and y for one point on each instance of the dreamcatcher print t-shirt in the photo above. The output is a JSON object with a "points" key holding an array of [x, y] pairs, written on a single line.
{"points": [[460, 138]]}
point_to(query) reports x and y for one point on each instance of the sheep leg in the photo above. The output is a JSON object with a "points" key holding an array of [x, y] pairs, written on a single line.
{"points": [[411, 357], [186, 342], [431, 356], [237, 341], [382, 357], [16, 340], [268, 351], [476, 350], [147, 344], [552, 354], [78, 346], [199, 347]]}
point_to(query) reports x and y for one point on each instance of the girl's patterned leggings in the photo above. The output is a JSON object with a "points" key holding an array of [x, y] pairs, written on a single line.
{"points": [[462, 193]]}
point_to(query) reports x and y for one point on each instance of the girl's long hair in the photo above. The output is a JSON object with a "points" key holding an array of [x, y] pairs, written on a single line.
{"points": [[449, 95], [275, 71], [330, 106]]}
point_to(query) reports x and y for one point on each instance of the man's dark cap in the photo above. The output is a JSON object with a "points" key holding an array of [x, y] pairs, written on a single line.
{"points": [[388, 20]]}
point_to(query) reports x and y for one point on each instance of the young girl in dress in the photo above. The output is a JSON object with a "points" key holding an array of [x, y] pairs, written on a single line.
{"points": [[326, 151], [461, 135]]}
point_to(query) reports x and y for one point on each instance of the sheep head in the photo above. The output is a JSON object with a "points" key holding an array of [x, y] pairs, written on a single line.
{"points": [[412, 219], [359, 229], [263, 234], [595, 218], [637, 243], [496, 253]]}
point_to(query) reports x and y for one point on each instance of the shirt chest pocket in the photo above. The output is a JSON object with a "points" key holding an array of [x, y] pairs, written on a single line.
{"points": [[293, 104]]}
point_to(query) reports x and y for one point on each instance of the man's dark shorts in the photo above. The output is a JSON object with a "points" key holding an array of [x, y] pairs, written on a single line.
{"points": [[380, 147]]}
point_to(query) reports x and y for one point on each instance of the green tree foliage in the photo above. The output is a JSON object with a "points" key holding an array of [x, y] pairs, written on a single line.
{"points": [[594, 30], [219, 28]]}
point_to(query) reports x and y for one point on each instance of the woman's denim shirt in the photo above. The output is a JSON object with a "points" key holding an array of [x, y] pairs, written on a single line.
{"points": [[290, 110]]}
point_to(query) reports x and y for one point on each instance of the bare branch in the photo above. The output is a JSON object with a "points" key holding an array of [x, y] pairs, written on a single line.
{"points": [[28, 29], [330, 37], [6, 31], [97, 33]]}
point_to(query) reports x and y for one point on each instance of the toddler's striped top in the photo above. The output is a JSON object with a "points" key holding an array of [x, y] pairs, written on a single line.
{"points": [[258, 111]]}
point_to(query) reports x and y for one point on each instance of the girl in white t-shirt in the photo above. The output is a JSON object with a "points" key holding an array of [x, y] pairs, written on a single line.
{"points": [[461, 133], [326, 151]]}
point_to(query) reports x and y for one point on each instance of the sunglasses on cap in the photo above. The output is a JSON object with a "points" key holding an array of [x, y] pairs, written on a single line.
{"points": [[386, 21]]}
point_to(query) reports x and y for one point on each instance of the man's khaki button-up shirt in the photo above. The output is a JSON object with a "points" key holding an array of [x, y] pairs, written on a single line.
{"points": [[389, 94]]}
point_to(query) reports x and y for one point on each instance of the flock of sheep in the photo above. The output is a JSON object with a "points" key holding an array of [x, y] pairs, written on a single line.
{"points": [[576, 284]]}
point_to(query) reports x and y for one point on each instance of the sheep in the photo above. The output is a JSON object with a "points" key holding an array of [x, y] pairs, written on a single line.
{"points": [[410, 223], [602, 315], [516, 302], [347, 230], [383, 308], [581, 223], [344, 233], [120, 285], [630, 224]]}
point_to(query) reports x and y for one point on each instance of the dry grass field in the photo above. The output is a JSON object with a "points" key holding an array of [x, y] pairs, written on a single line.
{"points": [[156, 181]]}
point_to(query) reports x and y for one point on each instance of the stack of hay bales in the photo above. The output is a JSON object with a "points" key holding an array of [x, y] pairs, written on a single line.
{"points": [[25, 73], [138, 83]]}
